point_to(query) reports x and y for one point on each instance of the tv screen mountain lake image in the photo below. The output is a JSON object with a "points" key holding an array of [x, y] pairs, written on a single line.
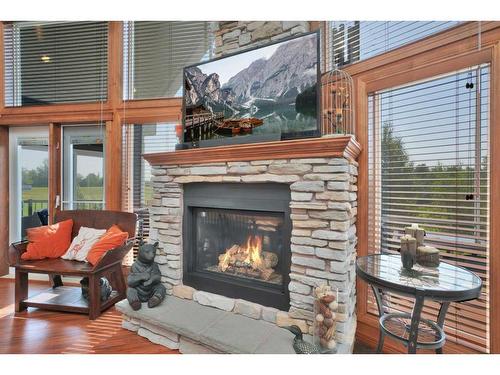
{"points": [[269, 90]]}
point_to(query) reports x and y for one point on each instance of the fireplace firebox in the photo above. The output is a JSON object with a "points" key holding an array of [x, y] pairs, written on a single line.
{"points": [[237, 241]]}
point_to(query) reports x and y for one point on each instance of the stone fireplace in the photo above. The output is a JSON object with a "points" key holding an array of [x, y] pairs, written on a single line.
{"points": [[236, 240], [252, 229]]}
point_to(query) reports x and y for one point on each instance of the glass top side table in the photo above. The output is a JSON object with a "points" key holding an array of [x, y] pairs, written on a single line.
{"points": [[444, 284]]}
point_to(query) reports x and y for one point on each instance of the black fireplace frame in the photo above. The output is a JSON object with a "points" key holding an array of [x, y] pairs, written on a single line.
{"points": [[252, 197]]}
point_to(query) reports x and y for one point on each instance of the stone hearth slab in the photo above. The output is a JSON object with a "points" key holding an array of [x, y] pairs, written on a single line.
{"points": [[240, 334], [220, 330], [186, 318]]}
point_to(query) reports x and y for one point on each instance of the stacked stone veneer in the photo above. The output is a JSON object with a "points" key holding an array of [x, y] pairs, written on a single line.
{"points": [[323, 239], [234, 36]]}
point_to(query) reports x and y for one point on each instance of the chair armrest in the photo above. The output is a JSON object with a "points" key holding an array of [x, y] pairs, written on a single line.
{"points": [[16, 249], [115, 255]]}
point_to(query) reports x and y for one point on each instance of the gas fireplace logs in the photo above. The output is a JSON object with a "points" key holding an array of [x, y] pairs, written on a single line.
{"points": [[325, 307], [249, 260]]}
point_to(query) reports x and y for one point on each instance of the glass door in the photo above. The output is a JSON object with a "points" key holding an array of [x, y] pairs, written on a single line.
{"points": [[83, 167], [29, 180]]}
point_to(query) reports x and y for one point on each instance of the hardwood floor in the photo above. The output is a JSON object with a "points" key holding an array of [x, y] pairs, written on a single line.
{"points": [[44, 332], [41, 332]]}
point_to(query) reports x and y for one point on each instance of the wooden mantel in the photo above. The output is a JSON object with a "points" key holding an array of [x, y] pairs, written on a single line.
{"points": [[337, 146]]}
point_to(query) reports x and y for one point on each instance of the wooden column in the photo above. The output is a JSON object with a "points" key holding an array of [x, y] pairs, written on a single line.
{"points": [[361, 101], [113, 164], [115, 64], [494, 270], [54, 169], [113, 152], [4, 198]]}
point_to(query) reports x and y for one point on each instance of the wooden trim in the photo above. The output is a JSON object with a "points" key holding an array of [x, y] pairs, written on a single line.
{"points": [[55, 170], [151, 115], [113, 164], [431, 70], [344, 146], [92, 108], [151, 110], [151, 103], [4, 198], [61, 117], [494, 267], [115, 57], [361, 103], [113, 152], [468, 30], [56, 108]]}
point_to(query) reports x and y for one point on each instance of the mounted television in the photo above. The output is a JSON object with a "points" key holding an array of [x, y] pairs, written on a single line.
{"points": [[266, 93]]}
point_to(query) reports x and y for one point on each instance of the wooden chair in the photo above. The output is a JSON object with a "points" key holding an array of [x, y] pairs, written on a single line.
{"points": [[69, 298]]}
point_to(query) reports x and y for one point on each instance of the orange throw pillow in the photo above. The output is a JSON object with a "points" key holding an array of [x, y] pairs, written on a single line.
{"points": [[49, 241], [114, 237]]}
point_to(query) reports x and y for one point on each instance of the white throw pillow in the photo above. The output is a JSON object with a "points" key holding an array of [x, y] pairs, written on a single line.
{"points": [[81, 244]]}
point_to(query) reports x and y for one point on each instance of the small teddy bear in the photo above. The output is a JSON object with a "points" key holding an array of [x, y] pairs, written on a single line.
{"points": [[144, 280]]}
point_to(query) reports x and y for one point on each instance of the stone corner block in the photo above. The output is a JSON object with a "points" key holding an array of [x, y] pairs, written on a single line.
{"points": [[183, 291], [214, 300], [269, 314], [284, 320], [246, 308]]}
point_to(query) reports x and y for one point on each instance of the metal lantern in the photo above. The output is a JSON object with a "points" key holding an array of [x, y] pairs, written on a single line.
{"points": [[337, 109]]}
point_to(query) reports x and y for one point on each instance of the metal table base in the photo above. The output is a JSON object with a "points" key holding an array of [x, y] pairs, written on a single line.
{"points": [[412, 329]]}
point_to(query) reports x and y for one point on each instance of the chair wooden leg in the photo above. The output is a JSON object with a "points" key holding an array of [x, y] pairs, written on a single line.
{"points": [[21, 290], [94, 297]]}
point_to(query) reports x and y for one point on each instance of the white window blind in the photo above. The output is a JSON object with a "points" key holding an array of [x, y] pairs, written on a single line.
{"points": [[351, 41], [155, 53], [428, 150], [55, 62], [138, 140], [137, 186]]}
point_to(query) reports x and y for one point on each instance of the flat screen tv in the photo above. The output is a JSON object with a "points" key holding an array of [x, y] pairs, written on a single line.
{"points": [[266, 93]]}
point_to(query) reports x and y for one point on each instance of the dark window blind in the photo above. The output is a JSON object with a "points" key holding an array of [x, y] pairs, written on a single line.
{"points": [[55, 62], [428, 149], [155, 53], [351, 41]]}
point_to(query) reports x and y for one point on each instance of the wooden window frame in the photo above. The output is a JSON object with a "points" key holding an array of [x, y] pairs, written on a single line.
{"points": [[444, 52]]}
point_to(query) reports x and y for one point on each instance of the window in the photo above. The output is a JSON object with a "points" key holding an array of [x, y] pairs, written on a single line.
{"points": [[154, 54], [351, 41], [142, 139], [137, 186], [28, 180], [428, 151], [83, 167], [55, 62]]}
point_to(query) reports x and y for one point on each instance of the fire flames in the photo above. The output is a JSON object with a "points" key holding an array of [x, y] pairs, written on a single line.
{"points": [[248, 259], [249, 255]]}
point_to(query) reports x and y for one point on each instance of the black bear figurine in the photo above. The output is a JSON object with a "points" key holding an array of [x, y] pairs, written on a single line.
{"points": [[144, 280]]}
